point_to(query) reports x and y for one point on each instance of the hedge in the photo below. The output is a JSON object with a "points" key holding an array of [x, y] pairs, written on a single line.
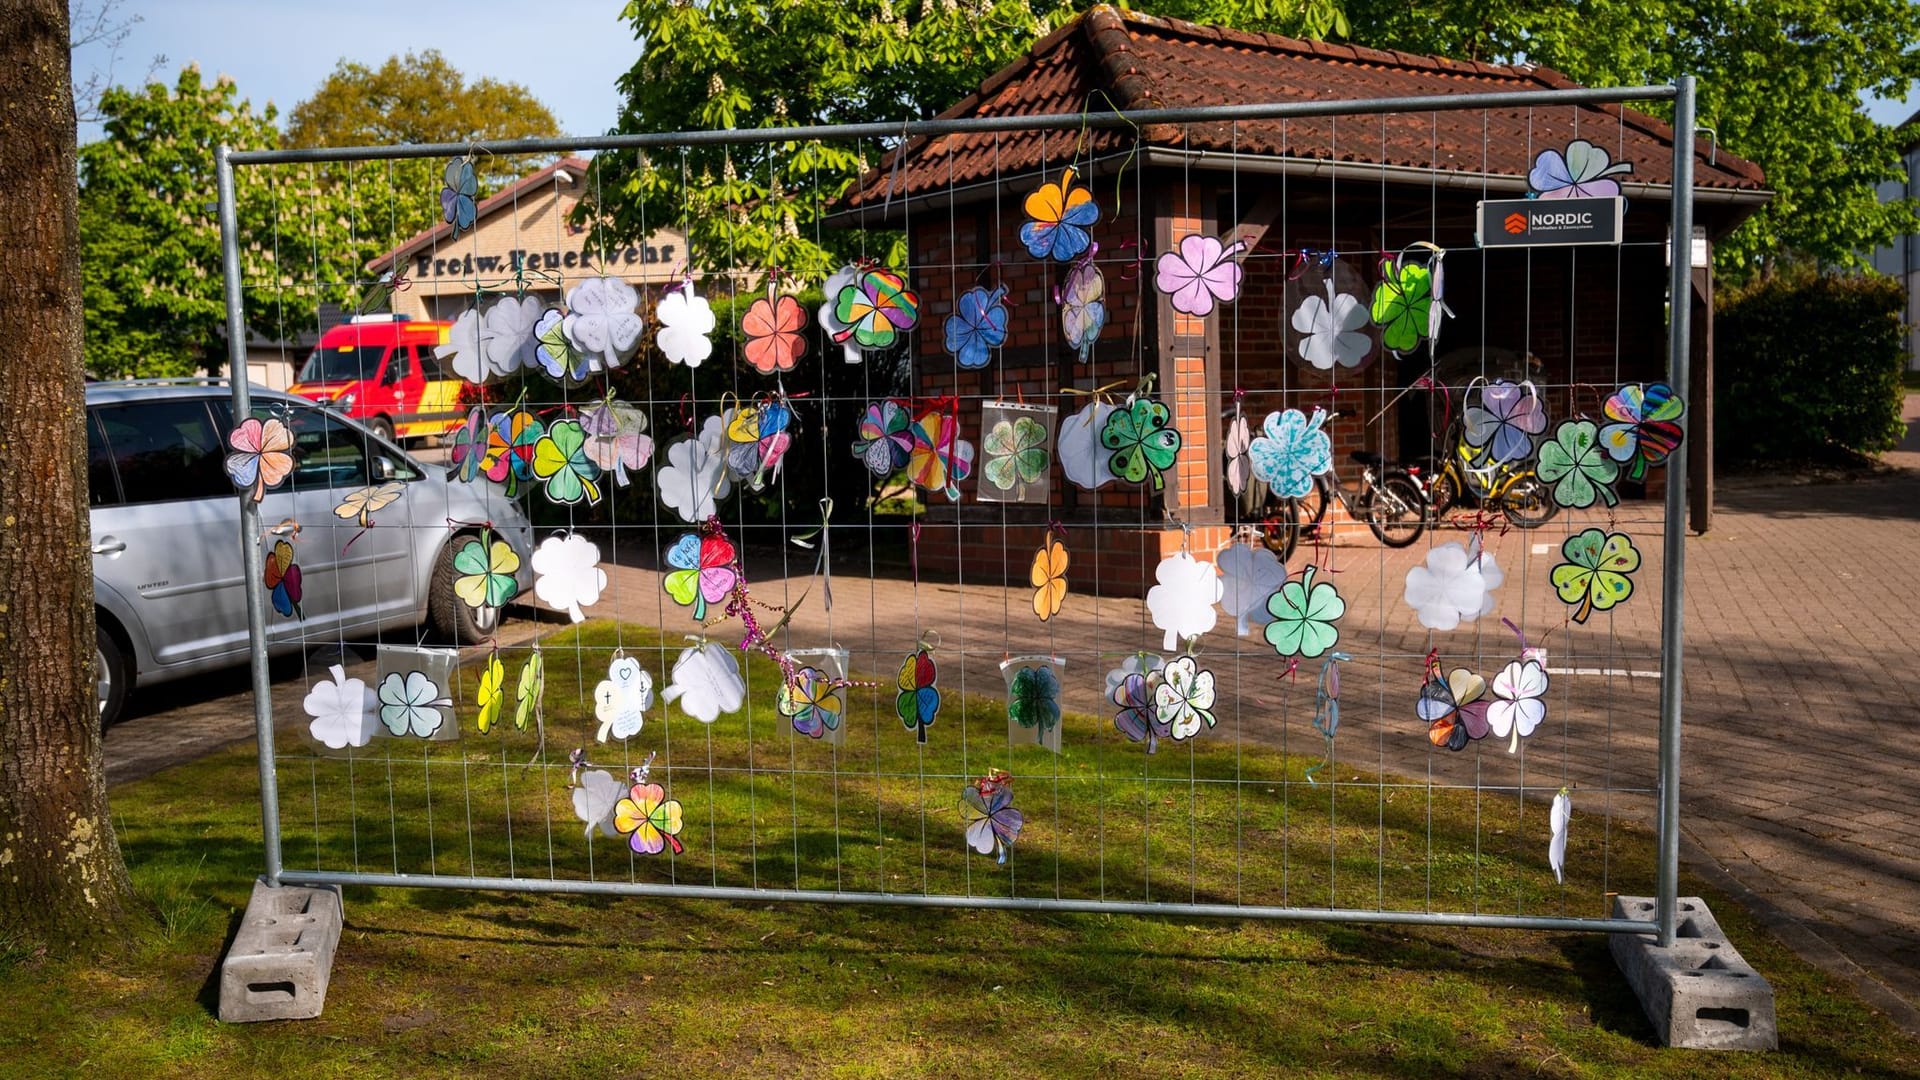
{"points": [[1810, 367]]}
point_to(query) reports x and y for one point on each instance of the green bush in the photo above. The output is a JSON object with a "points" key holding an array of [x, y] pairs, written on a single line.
{"points": [[1809, 367]]}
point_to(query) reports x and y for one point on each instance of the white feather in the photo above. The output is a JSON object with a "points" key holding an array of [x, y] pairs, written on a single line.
{"points": [[1557, 847]]}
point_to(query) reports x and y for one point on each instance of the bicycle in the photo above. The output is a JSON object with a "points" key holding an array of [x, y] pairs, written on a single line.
{"points": [[1508, 487], [1390, 499]]}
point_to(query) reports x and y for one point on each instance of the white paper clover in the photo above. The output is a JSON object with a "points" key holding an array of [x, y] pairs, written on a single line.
{"points": [[594, 800], [567, 574], [342, 711], [1332, 328], [695, 477], [1518, 701], [1183, 698], [1558, 818], [1182, 604], [412, 704], [830, 322], [1248, 576], [706, 682], [601, 321], [1081, 456], [685, 321], [462, 348], [1454, 586], [621, 700], [506, 335]]}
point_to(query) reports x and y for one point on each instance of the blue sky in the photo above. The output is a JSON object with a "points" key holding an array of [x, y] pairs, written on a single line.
{"points": [[280, 50]]}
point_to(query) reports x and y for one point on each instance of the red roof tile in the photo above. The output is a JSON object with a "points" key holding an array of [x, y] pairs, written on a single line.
{"points": [[1143, 62]]}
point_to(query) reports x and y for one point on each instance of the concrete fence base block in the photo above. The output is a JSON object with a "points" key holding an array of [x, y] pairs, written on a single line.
{"points": [[1699, 994], [279, 963]]}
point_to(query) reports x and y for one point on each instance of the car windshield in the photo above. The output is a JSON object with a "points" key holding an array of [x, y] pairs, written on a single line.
{"points": [[343, 363]]}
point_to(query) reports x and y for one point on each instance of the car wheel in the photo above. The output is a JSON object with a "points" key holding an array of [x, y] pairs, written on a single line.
{"points": [[451, 617], [382, 427], [111, 675]]}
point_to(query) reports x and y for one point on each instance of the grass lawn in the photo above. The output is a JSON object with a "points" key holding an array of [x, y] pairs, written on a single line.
{"points": [[435, 982]]}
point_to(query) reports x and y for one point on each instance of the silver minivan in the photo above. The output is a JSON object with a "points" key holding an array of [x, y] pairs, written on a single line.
{"points": [[169, 583]]}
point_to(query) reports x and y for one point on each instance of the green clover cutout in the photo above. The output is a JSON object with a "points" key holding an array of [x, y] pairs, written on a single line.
{"points": [[560, 459], [1016, 453], [1402, 305], [1594, 577], [1033, 700], [1303, 615], [1143, 445], [1577, 465]]}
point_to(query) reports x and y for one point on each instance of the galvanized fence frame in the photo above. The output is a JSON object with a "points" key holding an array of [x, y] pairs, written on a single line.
{"points": [[1667, 817]]}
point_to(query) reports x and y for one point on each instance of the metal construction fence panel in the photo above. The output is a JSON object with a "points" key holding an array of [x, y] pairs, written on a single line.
{"points": [[866, 592]]}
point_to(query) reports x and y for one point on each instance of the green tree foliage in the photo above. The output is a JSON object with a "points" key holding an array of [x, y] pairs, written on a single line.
{"points": [[150, 232], [419, 98], [1780, 81], [1809, 365]]}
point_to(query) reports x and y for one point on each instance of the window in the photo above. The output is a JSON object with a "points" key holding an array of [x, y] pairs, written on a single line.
{"points": [[165, 450], [345, 363], [399, 367], [103, 489], [431, 369]]}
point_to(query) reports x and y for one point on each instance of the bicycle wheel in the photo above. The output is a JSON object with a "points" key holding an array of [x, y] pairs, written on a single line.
{"points": [[1396, 512], [1442, 493], [1528, 503], [1280, 527]]}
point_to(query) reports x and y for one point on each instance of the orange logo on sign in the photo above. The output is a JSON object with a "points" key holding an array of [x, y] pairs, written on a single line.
{"points": [[1516, 223]]}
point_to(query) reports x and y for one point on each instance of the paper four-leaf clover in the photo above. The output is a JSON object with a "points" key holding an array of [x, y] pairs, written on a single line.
{"points": [[485, 568], [458, 189], [1456, 585], [411, 704], [918, 702], [886, 438], [1646, 426], [1402, 304], [1519, 704], [528, 690], [704, 572], [616, 438], [1184, 698], [1248, 575], [1582, 172], [977, 327], [1016, 453], [510, 448], [506, 338], [595, 794], [1033, 699], [773, 327], [1304, 612], [1595, 575], [1130, 687], [554, 351], [1182, 603], [706, 682], [1577, 466], [876, 309], [602, 322], [1505, 420], [470, 445], [492, 694], [1290, 451], [560, 460], [567, 574], [1199, 273], [1142, 443], [342, 711], [262, 454], [1083, 312], [1082, 458], [813, 700], [686, 321], [649, 820], [1333, 329], [1453, 707], [695, 476], [621, 700]]}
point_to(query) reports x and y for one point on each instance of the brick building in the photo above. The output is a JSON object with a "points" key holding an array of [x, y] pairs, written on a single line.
{"points": [[1577, 320]]}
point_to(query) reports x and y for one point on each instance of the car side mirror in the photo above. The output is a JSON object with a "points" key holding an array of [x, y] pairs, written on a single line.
{"points": [[383, 469]]}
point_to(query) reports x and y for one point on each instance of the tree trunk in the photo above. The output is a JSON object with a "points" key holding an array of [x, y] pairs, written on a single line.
{"points": [[62, 882]]}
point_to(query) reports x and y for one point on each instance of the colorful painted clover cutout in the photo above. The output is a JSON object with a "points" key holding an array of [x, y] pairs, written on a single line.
{"points": [[1290, 451], [1595, 575]]}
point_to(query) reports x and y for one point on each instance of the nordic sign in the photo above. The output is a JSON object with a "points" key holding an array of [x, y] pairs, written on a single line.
{"points": [[1549, 222]]}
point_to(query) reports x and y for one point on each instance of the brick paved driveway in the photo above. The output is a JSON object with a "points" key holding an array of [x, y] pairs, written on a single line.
{"points": [[1799, 765]]}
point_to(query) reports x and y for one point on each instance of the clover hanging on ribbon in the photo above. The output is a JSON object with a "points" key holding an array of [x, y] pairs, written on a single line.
{"points": [[1017, 453], [1646, 426], [1402, 304], [1304, 612], [1577, 465], [1594, 577], [561, 461], [1143, 444]]}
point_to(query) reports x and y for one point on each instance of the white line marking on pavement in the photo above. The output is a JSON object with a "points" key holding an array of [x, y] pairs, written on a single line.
{"points": [[1630, 672]]}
